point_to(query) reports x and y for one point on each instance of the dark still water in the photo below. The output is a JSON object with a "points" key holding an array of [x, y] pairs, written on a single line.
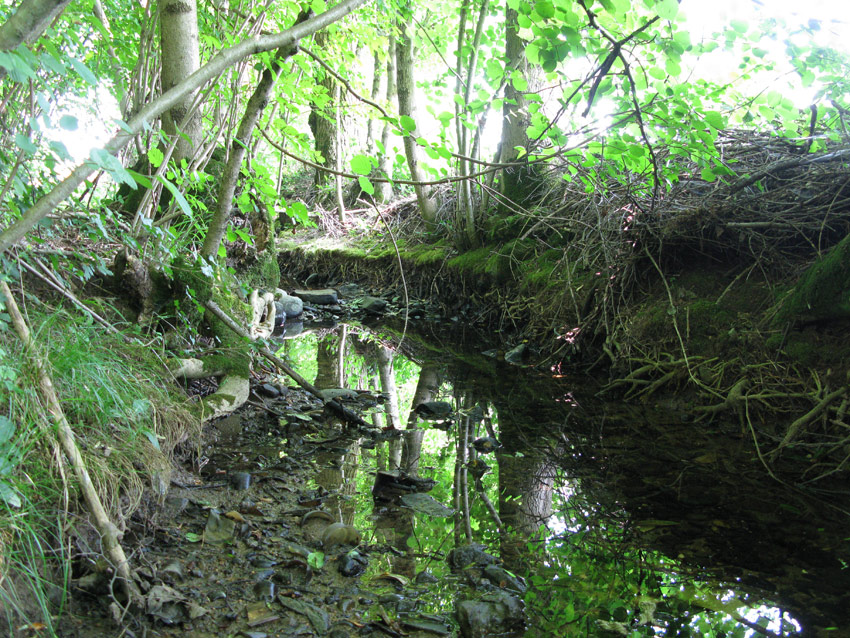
{"points": [[586, 516]]}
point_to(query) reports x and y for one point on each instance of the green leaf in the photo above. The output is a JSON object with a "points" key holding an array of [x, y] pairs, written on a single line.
{"points": [[519, 81], [192, 537], [60, 150], [178, 196], [151, 437], [545, 9], [667, 9], [316, 560], [715, 120], [16, 67], [493, 70], [366, 185], [408, 124], [7, 429], [25, 143], [708, 175], [155, 156], [361, 164], [52, 64], [83, 71], [10, 495], [739, 25], [69, 122], [141, 180]]}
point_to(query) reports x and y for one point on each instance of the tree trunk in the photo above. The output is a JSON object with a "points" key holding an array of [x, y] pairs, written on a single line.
{"points": [[327, 363], [516, 184], [384, 190], [178, 24], [377, 75], [230, 177], [465, 204], [323, 123], [406, 96], [388, 387]]}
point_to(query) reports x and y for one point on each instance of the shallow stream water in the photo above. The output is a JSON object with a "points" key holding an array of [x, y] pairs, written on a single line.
{"points": [[586, 516]]}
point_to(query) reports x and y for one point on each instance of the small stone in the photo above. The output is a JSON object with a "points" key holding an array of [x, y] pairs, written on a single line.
{"points": [[373, 305], [289, 305], [340, 534], [268, 390], [322, 297]]}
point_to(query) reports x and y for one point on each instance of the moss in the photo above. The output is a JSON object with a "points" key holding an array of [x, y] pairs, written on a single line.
{"points": [[823, 292], [265, 273], [473, 260]]}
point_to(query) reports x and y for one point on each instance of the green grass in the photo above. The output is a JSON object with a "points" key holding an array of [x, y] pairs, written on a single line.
{"points": [[127, 418]]}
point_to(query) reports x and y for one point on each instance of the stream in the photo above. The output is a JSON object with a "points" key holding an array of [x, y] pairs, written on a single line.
{"points": [[626, 520]]}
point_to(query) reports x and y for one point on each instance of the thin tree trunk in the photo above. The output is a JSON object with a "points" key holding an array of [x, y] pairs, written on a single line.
{"points": [[377, 74], [230, 176], [384, 190], [406, 101], [388, 387]]}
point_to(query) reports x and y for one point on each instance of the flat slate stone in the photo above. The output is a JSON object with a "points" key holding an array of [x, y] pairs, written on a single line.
{"points": [[323, 297]]}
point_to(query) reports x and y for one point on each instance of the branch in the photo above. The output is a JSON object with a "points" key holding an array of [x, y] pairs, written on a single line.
{"points": [[343, 81], [218, 64]]}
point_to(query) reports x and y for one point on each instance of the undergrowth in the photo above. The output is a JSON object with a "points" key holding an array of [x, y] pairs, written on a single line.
{"points": [[127, 419]]}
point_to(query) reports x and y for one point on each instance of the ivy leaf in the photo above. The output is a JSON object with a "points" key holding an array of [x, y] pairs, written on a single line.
{"points": [[361, 165], [366, 185]]}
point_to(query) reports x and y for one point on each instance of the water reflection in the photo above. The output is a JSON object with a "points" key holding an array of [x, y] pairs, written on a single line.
{"points": [[623, 520]]}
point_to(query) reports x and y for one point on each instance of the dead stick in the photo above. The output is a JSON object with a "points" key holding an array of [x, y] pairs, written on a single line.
{"points": [[108, 531], [334, 405]]}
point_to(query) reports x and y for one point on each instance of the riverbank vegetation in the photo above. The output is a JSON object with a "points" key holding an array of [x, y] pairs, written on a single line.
{"points": [[592, 180]]}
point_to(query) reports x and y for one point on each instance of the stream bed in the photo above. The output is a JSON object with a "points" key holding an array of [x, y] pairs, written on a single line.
{"points": [[513, 501]]}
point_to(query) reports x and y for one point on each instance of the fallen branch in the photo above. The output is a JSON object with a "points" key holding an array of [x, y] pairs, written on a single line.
{"points": [[107, 529], [333, 405]]}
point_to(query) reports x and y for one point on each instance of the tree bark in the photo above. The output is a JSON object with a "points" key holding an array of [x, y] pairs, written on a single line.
{"points": [[220, 62], [179, 44], [384, 190], [406, 97], [516, 184], [28, 22], [323, 122]]}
